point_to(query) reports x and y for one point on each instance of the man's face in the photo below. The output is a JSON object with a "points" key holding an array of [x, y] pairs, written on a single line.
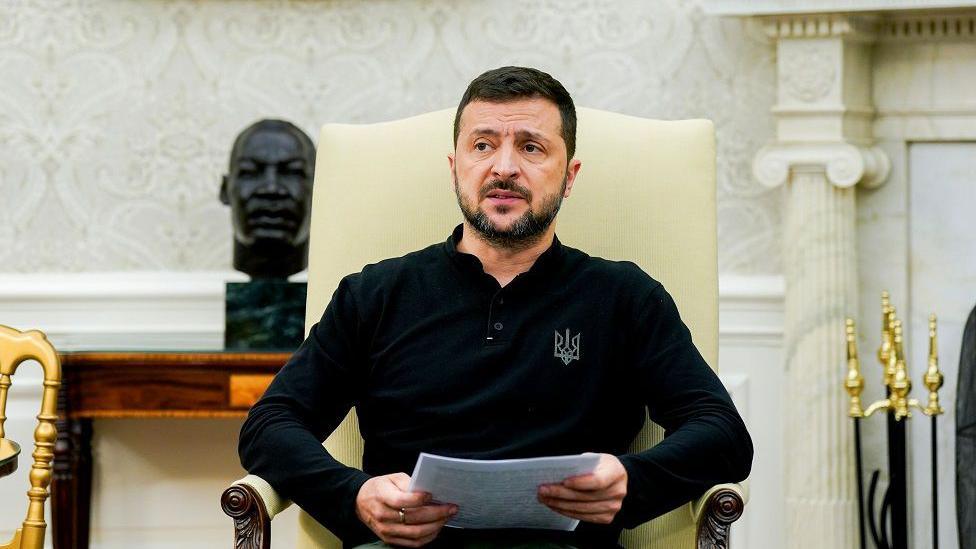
{"points": [[269, 188], [510, 170]]}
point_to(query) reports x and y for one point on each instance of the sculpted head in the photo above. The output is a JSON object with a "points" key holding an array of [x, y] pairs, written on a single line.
{"points": [[269, 189], [514, 141]]}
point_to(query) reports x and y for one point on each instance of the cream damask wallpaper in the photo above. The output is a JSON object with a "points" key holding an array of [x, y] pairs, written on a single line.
{"points": [[116, 116]]}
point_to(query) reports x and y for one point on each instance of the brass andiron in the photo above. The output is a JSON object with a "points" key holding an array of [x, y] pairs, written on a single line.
{"points": [[898, 407]]}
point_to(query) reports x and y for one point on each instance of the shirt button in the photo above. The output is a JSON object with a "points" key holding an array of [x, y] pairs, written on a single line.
{"points": [[498, 326]]}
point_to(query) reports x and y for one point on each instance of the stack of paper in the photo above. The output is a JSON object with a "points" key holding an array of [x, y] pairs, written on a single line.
{"points": [[499, 493]]}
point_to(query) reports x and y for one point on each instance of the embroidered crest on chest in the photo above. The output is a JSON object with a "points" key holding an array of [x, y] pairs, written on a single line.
{"points": [[567, 348]]}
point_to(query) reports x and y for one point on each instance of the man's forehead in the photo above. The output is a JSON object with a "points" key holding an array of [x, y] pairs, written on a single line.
{"points": [[531, 113], [271, 145]]}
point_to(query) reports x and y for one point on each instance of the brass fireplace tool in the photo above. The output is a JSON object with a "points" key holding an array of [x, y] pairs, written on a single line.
{"points": [[897, 406]]}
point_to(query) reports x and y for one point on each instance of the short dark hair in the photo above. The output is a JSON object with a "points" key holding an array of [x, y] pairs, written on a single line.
{"points": [[506, 84], [272, 125]]}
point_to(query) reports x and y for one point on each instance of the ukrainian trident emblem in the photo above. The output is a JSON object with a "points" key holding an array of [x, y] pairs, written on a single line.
{"points": [[567, 349]]}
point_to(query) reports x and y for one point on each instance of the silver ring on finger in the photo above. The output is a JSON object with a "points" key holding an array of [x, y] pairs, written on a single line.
{"points": [[403, 515]]}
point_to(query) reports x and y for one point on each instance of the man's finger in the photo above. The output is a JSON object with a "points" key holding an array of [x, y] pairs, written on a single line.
{"points": [[591, 481], [412, 531], [397, 499], [597, 518], [583, 507], [400, 480], [427, 514], [557, 491], [405, 542]]}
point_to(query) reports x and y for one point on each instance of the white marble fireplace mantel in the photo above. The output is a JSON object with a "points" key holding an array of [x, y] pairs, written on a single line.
{"points": [[787, 7], [888, 83]]}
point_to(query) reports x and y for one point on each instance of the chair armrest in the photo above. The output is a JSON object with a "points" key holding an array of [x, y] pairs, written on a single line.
{"points": [[715, 511], [252, 503]]}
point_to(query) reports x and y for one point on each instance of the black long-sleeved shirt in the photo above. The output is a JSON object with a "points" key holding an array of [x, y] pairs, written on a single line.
{"points": [[437, 357]]}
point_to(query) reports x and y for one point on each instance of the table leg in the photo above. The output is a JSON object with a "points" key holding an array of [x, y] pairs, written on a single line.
{"points": [[71, 483]]}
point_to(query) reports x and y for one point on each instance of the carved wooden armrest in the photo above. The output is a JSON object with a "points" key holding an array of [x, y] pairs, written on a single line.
{"points": [[715, 511], [252, 503]]}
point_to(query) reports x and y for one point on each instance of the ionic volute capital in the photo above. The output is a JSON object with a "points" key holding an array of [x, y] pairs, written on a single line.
{"points": [[844, 164]]}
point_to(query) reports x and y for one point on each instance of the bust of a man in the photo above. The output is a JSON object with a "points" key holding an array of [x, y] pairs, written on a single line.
{"points": [[269, 189]]}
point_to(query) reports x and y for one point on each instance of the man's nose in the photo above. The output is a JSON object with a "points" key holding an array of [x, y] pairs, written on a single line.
{"points": [[506, 164], [270, 184]]}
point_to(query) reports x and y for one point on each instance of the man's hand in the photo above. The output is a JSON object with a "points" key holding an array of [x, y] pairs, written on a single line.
{"points": [[595, 497], [379, 504]]}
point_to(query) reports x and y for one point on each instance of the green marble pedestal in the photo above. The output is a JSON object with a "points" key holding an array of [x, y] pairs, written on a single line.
{"points": [[266, 315]]}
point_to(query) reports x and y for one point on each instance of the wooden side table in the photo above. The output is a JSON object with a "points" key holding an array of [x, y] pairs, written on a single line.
{"points": [[105, 385]]}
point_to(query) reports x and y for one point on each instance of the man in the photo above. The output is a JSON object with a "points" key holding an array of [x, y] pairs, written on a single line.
{"points": [[499, 343], [269, 190]]}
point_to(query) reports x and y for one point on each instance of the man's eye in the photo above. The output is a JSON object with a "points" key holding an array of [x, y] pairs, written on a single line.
{"points": [[294, 169], [247, 167], [530, 148], [482, 146]]}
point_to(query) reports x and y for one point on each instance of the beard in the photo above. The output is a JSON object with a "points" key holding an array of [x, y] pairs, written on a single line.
{"points": [[526, 230]]}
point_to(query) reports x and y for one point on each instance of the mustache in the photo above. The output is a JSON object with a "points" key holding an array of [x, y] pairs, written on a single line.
{"points": [[509, 185]]}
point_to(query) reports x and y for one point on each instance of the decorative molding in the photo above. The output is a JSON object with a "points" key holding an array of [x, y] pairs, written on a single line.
{"points": [[781, 7], [882, 20], [751, 311], [808, 72], [824, 77], [928, 27], [849, 27], [119, 310], [927, 127], [845, 164]]}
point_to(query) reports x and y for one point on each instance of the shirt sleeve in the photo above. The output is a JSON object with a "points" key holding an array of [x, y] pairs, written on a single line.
{"points": [[281, 439], [706, 442]]}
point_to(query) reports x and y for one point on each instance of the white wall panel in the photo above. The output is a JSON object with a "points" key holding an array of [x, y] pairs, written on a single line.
{"points": [[117, 118]]}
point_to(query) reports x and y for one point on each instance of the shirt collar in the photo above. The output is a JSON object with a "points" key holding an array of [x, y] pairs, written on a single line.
{"points": [[545, 263]]}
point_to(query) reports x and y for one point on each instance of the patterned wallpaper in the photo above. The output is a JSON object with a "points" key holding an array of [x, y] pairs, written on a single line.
{"points": [[116, 116]]}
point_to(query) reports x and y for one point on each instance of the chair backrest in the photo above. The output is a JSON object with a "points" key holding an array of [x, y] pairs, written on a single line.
{"points": [[15, 348], [645, 193]]}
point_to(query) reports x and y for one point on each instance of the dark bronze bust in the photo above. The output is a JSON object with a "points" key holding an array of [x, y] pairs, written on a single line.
{"points": [[269, 189]]}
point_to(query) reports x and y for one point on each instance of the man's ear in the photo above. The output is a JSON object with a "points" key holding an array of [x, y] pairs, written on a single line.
{"points": [[224, 198], [450, 164], [572, 170]]}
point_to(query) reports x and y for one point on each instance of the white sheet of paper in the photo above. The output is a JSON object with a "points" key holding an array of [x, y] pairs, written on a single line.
{"points": [[499, 493]]}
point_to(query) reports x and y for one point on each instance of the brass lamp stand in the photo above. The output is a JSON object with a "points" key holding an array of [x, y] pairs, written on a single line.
{"points": [[897, 406]]}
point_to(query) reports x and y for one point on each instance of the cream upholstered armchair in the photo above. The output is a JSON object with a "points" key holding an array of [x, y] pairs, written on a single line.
{"points": [[15, 348], [646, 193]]}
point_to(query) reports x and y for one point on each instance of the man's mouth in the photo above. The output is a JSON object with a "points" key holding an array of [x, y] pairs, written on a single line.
{"points": [[271, 222], [273, 219], [503, 197]]}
